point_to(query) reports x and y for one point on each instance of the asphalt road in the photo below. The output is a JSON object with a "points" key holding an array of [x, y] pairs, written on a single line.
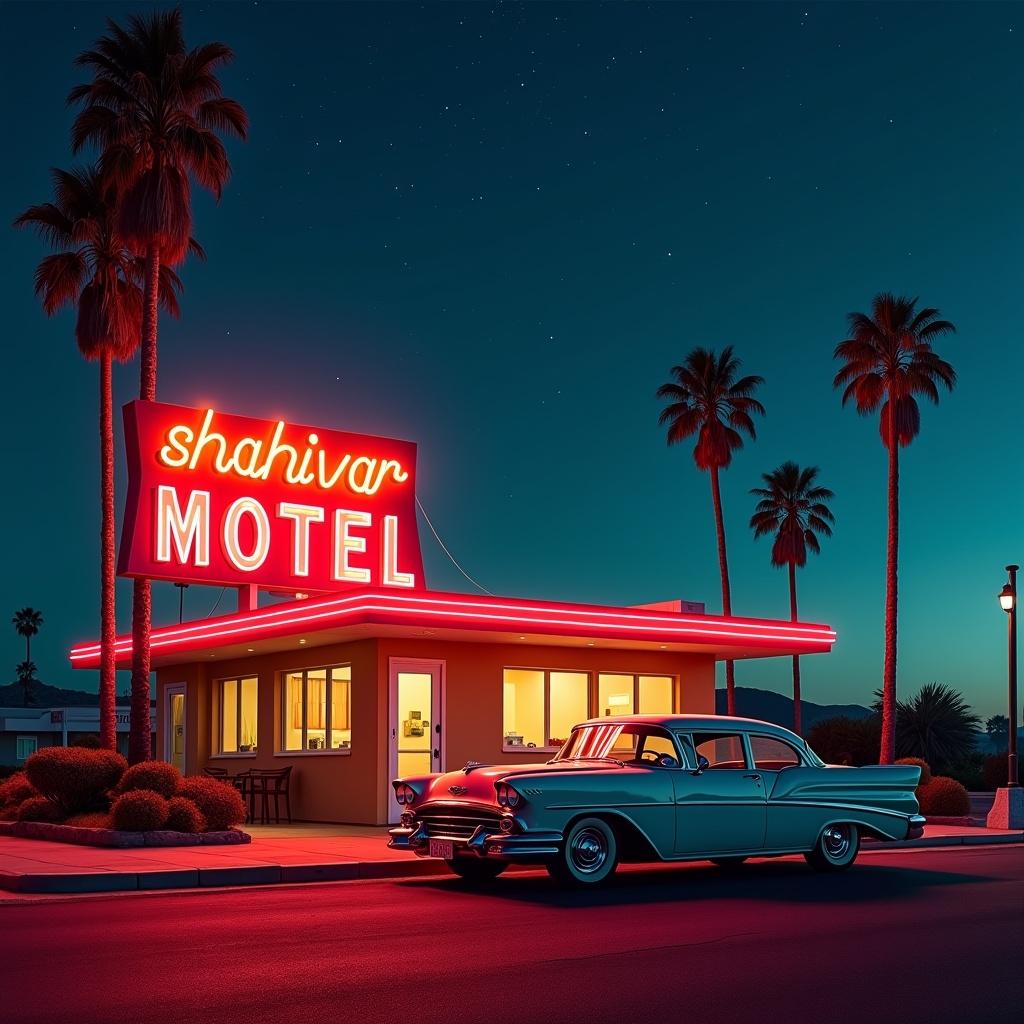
{"points": [[909, 936]]}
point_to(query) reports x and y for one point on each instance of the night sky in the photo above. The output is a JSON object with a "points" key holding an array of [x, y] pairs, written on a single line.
{"points": [[493, 228]]}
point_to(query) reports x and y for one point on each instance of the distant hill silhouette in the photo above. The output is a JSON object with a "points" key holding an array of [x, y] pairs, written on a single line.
{"points": [[46, 696], [778, 708]]}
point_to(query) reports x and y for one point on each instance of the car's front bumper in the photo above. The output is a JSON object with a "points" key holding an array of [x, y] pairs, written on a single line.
{"points": [[525, 848]]}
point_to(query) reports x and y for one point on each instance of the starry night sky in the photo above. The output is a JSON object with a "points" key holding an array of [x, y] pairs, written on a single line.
{"points": [[493, 229]]}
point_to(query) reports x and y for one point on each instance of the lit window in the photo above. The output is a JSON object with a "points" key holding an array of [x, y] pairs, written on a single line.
{"points": [[238, 713], [619, 694], [541, 707], [25, 747], [318, 709]]}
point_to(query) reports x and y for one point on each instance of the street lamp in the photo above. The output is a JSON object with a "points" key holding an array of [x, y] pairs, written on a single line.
{"points": [[1008, 809]]}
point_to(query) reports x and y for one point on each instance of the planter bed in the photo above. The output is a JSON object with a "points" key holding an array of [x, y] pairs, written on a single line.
{"points": [[940, 819], [117, 838]]}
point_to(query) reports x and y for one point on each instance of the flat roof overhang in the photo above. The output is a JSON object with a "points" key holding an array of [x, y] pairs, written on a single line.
{"points": [[356, 615]]}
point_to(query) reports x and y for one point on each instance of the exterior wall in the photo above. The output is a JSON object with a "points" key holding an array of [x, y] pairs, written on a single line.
{"points": [[354, 786]]}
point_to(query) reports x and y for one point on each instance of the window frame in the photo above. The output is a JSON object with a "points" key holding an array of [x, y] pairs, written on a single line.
{"points": [[801, 761], [304, 751], [219, 750], [17, 743], [748, 756], [507, 748], [636, 690]]}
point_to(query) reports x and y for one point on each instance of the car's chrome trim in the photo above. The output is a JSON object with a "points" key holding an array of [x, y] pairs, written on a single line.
{"points": [[839, 806]]}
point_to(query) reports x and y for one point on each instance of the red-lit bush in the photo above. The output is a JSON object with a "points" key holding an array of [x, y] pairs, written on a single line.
{"points": [[141, 810], [158, 776], [220, 803], [926, 772], [943, 797], [75, 778], [16, 788], [40, 808], [184, 816], [95, 819]]}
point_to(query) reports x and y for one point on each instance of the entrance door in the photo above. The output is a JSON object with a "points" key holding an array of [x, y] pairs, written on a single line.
{"points": [[174, 726], [416, 742]]}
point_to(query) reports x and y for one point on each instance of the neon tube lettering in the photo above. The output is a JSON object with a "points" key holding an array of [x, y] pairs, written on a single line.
{"points": [[229, 534], [184, 531], [344, 544], [301, 516]]}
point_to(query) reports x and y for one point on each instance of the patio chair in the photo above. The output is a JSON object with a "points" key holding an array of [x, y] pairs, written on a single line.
{"points": [[270, 784]]}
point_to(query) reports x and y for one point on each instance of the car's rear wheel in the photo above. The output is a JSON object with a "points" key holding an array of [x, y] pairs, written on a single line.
{"points": [[476, 869], [836, 848], [727, 862], [589, 854]]}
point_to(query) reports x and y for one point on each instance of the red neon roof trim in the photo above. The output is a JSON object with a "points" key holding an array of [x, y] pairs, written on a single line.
{"points": [[460, 611]]}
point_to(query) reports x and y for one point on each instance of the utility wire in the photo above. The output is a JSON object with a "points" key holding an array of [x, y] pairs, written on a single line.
{"points": [[479, 586]]}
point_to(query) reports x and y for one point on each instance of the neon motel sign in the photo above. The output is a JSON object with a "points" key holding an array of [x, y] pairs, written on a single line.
{"points": [[223, 499]]}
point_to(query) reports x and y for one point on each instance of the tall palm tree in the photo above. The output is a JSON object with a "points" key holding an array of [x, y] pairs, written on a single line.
{"points": [[95, 272], [26, 676], [706, 399], [26, 623], [888, 361], [793, 509], [154, 108]]}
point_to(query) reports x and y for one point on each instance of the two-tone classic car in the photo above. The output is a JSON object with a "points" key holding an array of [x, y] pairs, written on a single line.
{"points": [[656, 788]]}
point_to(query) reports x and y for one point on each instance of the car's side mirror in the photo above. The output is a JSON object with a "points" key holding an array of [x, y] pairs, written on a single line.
{"points": [[702, 763]]}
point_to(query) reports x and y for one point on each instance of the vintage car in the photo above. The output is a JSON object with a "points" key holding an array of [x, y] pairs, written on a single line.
{"points": [[656, 788]]}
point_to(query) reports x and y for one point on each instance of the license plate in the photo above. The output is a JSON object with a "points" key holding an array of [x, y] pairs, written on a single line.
{"points": [[442, 848]]}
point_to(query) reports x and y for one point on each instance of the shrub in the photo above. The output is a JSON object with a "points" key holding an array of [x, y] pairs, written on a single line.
{"points": [[943, 797], [141, 810], [994, 771], [17, 788], [926, 772], [75, 778], [159, 776], [968, 771], [846, 740], [184, 816], [89, 740], [220, 803], [40, 808], [95, 819]]}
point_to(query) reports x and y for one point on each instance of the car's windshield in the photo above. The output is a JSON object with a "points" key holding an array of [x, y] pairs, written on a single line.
{"points": [[626, 742]]}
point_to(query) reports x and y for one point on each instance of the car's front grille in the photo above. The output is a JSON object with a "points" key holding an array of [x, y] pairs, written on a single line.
{"points": [[461, 825]]}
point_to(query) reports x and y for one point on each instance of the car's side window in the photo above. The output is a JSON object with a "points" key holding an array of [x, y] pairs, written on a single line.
{"points": [[772, 755], [723, 750]]}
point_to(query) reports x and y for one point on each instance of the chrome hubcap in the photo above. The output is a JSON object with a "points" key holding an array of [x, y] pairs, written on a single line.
{"points": [[836, 841], [588, 851]]}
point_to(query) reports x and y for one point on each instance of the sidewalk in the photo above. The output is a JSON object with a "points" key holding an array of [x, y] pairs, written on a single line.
{"points": [[299, 853]]}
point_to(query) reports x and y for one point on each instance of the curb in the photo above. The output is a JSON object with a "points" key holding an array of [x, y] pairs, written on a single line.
{"points": [[344, 871]]}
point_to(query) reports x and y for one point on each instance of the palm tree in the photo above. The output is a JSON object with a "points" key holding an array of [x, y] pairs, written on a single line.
{"points": [[26, 676], [26, 623], [793, 508], [94, 271], [154, 108], [888, 361], [938, 725], [707, 399]]}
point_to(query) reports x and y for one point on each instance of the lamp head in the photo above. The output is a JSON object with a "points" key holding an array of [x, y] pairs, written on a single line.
{"points": [[1007, 598]]}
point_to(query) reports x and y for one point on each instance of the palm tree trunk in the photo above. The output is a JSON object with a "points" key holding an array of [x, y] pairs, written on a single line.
{"points": [[108, 625], [142, 598], [723, 568], [887, 754], [797, 723]]}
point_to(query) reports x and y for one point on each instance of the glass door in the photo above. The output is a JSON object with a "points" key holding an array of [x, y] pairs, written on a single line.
{"points": [[174, 727], [415, 729]]}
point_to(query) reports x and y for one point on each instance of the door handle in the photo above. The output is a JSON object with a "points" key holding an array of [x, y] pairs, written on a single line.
{"points": [[752, 775], [436, 754]]}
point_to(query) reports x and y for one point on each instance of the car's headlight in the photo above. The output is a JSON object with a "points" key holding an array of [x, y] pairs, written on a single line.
{"points": [[404, 793], [507, 796]]}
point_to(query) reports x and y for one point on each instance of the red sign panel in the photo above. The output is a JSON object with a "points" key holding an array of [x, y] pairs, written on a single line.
{"points": [[214, 498]]}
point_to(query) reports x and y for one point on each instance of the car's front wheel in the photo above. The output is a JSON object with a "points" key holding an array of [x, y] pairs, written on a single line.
{"points": [[836, 848], [588, 856], [476, 869]]}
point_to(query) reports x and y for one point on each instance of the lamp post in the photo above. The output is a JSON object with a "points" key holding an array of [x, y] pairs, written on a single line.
{"points": [[1008, 809]]}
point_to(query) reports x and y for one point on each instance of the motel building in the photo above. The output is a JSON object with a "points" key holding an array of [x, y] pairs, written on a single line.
{"points": [[361, 673]]}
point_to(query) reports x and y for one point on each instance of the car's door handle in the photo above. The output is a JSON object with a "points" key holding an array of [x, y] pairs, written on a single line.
{"points": [[752, 775]]}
